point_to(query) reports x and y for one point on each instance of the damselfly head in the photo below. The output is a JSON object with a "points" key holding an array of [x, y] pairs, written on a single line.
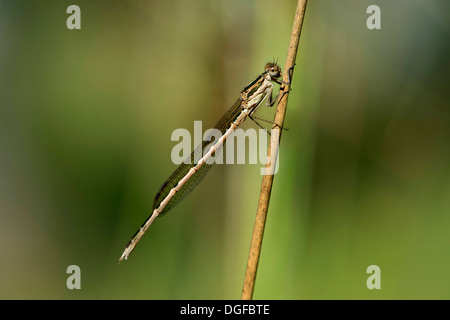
{"points": [[273, 70]]}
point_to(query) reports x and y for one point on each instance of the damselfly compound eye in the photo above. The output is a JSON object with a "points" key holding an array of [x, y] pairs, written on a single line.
{"points": [[273, 70]]}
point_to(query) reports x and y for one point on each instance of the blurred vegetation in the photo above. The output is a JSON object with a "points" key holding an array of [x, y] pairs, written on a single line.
{"points": [[85, 126]]}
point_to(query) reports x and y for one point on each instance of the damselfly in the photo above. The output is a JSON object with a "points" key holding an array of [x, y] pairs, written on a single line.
{"points": [[192, 171]]}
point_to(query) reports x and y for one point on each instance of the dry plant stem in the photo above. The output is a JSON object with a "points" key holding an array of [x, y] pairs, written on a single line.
{"points": [[266, 187]]}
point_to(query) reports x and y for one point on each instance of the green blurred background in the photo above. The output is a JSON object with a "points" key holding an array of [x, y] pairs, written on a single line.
{"points": [[86, 118]]}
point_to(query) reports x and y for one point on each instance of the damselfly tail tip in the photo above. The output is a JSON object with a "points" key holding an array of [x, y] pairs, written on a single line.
{"points": [[126, 252], [123, 257], [273, 69]]}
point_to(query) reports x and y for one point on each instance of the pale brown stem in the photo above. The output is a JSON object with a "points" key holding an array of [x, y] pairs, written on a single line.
{"points": [[266, 186]]}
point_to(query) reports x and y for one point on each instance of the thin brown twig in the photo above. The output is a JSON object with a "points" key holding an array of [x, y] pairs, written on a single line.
{"points": [[266, 186]]}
